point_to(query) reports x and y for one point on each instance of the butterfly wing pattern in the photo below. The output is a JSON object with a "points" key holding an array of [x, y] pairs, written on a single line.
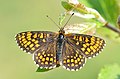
{"points": [[90, 46], [41, 44], [72, 58], [76, 48]]}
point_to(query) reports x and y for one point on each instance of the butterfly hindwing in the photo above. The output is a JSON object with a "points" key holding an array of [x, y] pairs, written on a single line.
{"points": [[90, 46], [72, 58], [45, 57], [32, 40]]}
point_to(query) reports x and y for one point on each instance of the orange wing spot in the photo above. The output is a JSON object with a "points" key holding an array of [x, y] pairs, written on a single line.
{"points": [[43, 52], [35, 35], [74, 57], [80, 63], [42, 63], [47, 58], [25, 45], [94, 50], [23, 37], [87, 44], [91, 53], [48, 54], [28, 43], [37, 45], [86, 40], [33, 40], [83, 49], [95, 46], [72, 60], [77, 43], [33, 48], [31, 45], [92, 43], [74, 37], [51, 59], [41, 35], [86, 53], [29, 38], [64, 61], [48, 35], [43, 59], [80, 38], [72, 64], [76, 65], [97, 42], [46, 63], [68, 60], [36, 58], [19, 38], [91, 47], [23, 33], [80, 56], [24, 42], [76, 61], [84, 45], [68, 64], [98, 39], [88, 49], [100, 43], [55, 61], [29, 33], [36, 42], [38, 54], [44, 40], [51, 54], [93, 38]]}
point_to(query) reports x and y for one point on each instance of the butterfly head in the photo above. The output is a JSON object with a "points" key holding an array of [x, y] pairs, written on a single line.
{"points": [[61, 30]]}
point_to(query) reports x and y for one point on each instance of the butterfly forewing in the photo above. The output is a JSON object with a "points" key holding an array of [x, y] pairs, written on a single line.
{"points": [[32, 40], [72, 58], [90, 46]]}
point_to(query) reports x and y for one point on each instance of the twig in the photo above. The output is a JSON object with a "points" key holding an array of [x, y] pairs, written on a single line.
{"points": [[109, 26]]}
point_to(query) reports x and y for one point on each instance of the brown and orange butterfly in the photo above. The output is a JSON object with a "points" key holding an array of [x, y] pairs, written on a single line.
{"points": [[51, 49]]}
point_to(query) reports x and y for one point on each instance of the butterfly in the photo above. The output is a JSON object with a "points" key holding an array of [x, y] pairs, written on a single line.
{"points": [[51, 49]]}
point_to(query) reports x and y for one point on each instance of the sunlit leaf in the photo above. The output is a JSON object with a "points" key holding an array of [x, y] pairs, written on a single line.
{"points": [[109, 9], [109, 72], [42, 70]]}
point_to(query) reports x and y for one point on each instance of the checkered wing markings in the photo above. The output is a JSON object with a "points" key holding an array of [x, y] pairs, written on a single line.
{"points": [[45, 57], [72, 58], [30, 41], [90, 46]]}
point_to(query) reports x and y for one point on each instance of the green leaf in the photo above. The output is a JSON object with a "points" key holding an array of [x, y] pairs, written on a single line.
{"points": [[110, 72], [42, 70], [109, 9], [82, 11]]}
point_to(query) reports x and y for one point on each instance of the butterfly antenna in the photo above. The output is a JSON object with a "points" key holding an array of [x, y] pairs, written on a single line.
{"points": [[68, 20], [53, 21]]}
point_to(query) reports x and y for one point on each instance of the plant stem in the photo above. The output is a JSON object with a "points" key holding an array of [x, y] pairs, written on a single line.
{"points": [[111, 27]]}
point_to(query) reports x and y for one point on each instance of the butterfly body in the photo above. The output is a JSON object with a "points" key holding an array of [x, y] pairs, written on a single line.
{"points": [[60, 41]]}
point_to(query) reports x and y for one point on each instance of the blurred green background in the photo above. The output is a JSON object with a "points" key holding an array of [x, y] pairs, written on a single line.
{"points": [[23, 15]]}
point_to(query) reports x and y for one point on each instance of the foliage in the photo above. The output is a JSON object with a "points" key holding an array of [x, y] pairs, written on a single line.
{"points": [[110, 72]]}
